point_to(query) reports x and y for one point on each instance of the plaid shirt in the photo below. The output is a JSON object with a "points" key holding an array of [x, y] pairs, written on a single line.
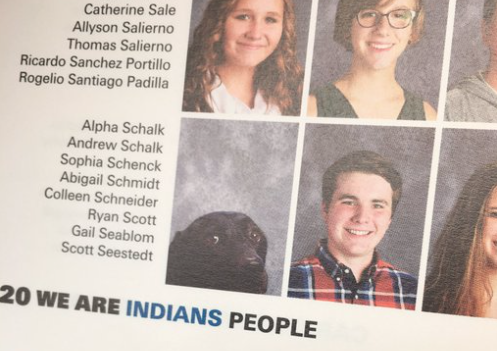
{"points": [[321, 277]]}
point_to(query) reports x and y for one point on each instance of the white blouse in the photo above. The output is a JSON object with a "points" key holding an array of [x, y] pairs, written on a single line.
{"points": [[222, 101]]}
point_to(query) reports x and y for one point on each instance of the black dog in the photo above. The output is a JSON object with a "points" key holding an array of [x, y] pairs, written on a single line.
{"points": [[221, 250]]}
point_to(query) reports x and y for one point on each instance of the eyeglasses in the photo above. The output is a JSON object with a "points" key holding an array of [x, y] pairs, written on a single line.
{"points": [[398, 19]]}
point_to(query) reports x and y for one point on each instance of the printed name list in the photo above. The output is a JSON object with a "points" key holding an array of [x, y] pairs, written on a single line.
{"points": [[118, 181], [110, 47]]}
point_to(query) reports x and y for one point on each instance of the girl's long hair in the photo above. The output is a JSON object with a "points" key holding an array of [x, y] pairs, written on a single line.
{"points": [[458, 282], [278, 78]]}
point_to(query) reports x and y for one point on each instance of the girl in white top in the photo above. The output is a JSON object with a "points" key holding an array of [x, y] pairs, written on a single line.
{"points": [[243, 59]]}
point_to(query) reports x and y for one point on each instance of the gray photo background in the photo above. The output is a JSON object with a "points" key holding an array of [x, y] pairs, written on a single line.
{"points": [[419, 69], [238, 166], [410, 150], [302, 18], [462, 152], [469, 54]]}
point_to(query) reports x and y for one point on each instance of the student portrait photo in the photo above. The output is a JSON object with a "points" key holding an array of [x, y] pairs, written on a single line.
{"points": [[378, 59], [231, 205], [369, 221], [246, 57], [472, 95], [462, 276]]}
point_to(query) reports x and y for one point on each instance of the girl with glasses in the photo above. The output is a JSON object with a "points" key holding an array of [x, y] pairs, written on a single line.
{"points": [[243, 59], [376, 32]]}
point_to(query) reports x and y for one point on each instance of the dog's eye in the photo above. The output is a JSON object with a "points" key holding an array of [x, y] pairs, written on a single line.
{"points": [[255, 237], [213, 239]]}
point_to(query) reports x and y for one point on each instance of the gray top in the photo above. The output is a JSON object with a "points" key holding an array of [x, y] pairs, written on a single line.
{"points": [[332, 103], [472, 100]]}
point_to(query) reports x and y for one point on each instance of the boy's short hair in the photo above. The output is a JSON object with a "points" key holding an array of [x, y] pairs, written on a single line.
{"points": [[367, 162]]}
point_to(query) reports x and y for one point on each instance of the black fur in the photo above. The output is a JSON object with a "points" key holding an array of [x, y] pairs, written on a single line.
{"points": [[221, 250]]}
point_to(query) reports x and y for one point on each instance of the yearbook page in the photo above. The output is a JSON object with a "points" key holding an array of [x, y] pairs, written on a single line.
{"points": [[240, 174]]}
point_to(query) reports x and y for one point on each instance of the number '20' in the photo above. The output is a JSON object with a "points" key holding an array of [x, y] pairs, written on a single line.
{"points": [[21, 297]]}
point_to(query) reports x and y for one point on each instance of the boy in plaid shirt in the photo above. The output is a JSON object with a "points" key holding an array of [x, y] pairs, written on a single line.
{"points": [[360, 193]]}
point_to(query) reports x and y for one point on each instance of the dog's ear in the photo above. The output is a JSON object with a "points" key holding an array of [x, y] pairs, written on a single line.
{"points": [[176, 239], [174, 260], [178, 248]]}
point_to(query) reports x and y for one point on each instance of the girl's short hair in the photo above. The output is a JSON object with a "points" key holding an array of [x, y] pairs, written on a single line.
{"points": [[347, 11], [279, 77]]}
